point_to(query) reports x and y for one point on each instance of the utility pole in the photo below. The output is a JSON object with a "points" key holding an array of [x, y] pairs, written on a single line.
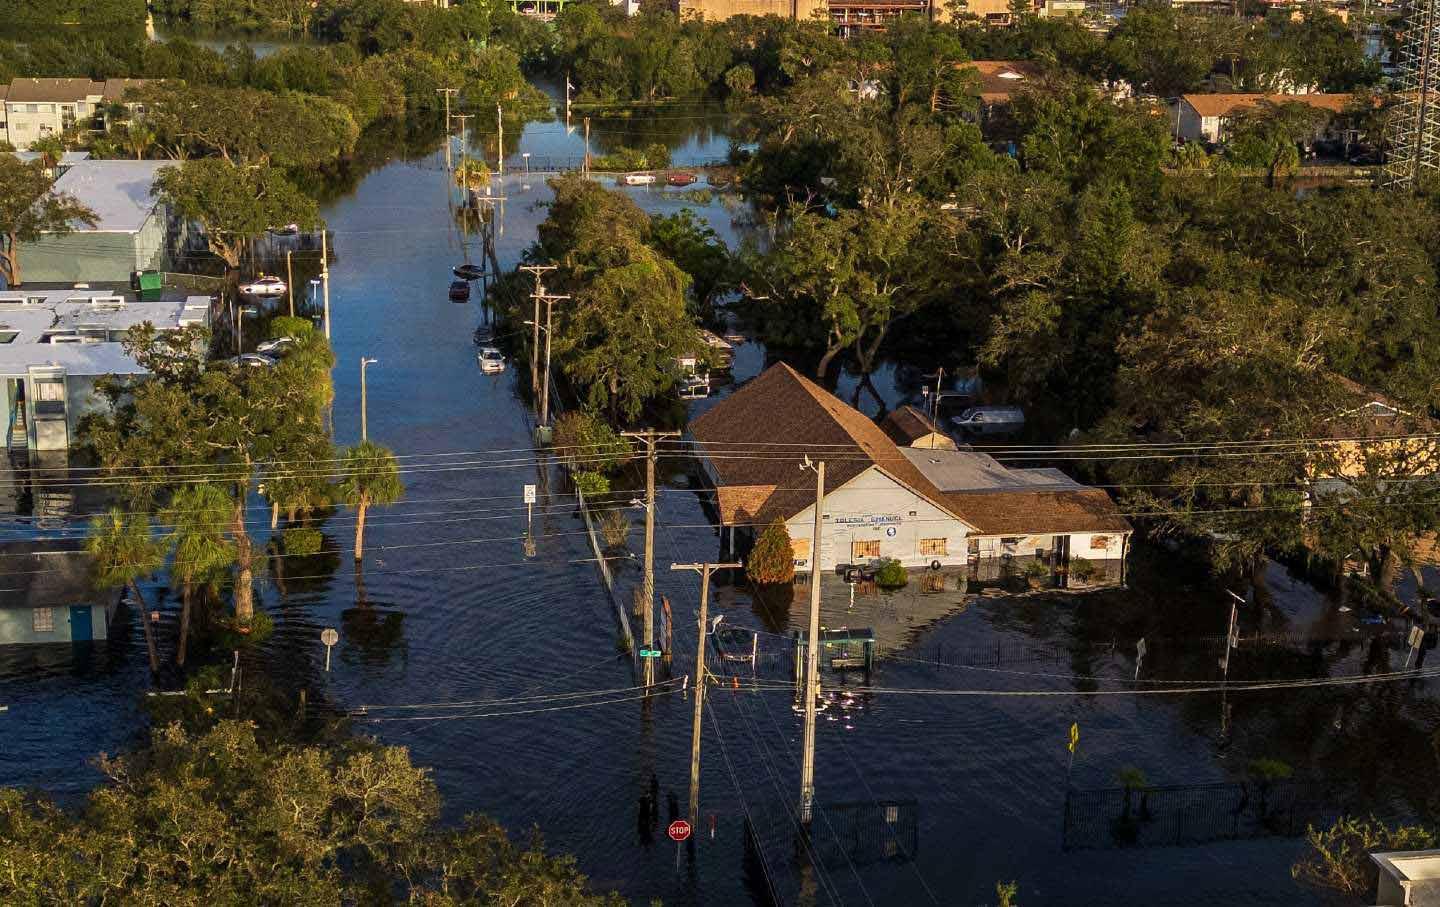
{"points": [[447, 92], [1231, 640], [325, 276], [545, 382], [586, 169], [705, 570], [812, 653], [568, 88], [500, 141], [537, 270], [290, 282], [650, 437]]}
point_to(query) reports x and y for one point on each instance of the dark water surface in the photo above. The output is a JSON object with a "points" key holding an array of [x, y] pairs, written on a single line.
{"points": [[452, 610]]}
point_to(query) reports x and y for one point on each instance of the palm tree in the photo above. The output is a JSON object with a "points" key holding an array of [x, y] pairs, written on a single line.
{"points": [[123, 551], [372, 476], [137, 139], [198, 516]]}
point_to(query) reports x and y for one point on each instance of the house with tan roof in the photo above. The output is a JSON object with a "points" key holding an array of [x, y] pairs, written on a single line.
{"points": [[925, 507], [1203, 117]]}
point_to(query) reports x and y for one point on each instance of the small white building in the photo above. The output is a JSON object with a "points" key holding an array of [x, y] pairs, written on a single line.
{"points": [[1408, 878], [933, 507], [55, 344], [133, 230], [1204, 117]]}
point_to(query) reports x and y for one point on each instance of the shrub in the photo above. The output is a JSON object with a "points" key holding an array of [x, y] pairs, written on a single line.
{"points": [[772, 560], [301, 541], [892, 574], [1035, 570], [1341, 857], [615, 527], [290, 326], [1082, 569], [591, 484], [583, 437]]}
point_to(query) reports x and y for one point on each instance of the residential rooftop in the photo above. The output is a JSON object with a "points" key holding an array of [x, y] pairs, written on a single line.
{"points": [[80, 329], [1224, 105], [53, 90], [119, 192]]}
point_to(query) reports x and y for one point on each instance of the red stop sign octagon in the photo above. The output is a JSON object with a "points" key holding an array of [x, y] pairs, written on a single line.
{"points": [[679, 830]]}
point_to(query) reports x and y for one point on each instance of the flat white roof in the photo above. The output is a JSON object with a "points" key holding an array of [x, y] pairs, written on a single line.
{"points": [[34, 315], [117, 191]]}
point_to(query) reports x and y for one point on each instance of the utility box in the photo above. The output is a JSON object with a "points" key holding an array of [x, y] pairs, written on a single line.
{"points": [[1408, 878]]}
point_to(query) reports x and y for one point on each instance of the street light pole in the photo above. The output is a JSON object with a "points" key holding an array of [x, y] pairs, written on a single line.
{"points": [[364, 427], [812, 652]]}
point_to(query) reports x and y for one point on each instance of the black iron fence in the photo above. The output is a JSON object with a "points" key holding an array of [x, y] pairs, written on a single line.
{"points": [[1196, 813]]}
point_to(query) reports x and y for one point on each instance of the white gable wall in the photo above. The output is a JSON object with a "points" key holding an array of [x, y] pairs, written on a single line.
{"points": [[874, 507]]}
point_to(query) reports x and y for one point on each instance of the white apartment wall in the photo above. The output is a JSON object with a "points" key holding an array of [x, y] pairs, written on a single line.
{"points": [[27, 121], [874, 507], [1098, 546]]}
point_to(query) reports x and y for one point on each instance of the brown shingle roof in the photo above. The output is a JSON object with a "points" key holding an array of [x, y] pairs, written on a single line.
{"points": [[999, 78], [114, 90], [52, 90], [756, 438], [907, 425], [1224, 105], [1037, 512]]}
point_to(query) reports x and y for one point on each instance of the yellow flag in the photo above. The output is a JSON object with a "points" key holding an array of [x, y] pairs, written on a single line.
{"points": [[1074, 736]]}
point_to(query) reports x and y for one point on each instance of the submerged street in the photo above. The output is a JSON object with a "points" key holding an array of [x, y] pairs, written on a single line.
{"points": [[462, 646]]}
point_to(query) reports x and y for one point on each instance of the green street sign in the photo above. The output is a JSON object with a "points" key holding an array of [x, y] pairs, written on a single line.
{"points": [[649, 653]]}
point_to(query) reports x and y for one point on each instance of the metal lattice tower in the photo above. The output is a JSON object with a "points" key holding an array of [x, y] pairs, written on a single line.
{"points": [[1415, 149]]}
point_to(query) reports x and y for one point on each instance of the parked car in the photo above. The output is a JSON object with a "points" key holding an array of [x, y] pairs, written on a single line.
{"points": [[638, 179], [251, 360], [468, 272], [275, 347], [264, 286], [990, 420], [459, 291], [484, 335], [287, 230], [680, 178], [491, 360]]}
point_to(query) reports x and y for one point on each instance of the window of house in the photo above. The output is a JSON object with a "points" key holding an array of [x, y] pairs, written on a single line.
{"points": [[50, 398], [42, 620], [862, 550], [801, 549], [932, 547]]}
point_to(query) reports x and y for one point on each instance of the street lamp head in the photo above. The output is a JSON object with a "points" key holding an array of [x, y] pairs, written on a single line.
{"points": [[369, 361], [805, 463]]}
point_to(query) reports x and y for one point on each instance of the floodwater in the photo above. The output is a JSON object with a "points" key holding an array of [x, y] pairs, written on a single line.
{"points": [[454, 619]]}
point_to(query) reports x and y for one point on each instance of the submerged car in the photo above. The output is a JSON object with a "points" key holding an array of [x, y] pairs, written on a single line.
{"points": [[990, 420], [275, 347], [638, 179], [251, 360], [264, 286], [459, 291], [491, 360]]}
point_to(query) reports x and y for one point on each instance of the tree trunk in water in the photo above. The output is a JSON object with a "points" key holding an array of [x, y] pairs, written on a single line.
{"points": [[149, 630], [274, 514], [244, 568], [867, 353], [187, 595], [13, 258], [360, 529]]}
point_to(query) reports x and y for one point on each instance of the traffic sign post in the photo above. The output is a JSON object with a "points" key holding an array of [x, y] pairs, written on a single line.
{"points": [[1415, 639], [679, 830], [329, 637], [529, 510], [649, 653]]}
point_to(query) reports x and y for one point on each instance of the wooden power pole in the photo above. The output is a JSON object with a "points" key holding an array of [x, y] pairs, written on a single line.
{"points": [[650, 437], [539, 293], [447, 92], [705, 571], [499, 141], [290, 281], [549, 301]]}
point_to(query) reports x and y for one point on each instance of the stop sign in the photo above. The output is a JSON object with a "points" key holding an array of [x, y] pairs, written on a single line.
{"points": [[679, 830]]}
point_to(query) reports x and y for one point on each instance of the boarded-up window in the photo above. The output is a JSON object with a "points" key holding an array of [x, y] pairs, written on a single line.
{"points": [[932, 582], [1099, 542], [801, 547], [43, 620], [932, 547], [861, 550]]}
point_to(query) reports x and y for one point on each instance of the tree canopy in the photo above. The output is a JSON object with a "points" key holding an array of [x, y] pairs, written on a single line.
{"points": [[29, 208]]}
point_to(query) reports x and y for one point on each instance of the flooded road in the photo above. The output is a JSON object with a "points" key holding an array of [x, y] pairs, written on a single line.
{"points": [[453, 614]]}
